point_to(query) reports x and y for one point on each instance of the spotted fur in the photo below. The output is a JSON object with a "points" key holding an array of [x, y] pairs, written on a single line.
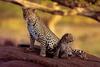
{"points": [[79, 53], [65, 43], [38, 31], [66, 48], [50, 43]]}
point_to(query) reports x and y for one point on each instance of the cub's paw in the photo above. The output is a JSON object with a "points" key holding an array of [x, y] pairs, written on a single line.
{"points": [[67, 54]]}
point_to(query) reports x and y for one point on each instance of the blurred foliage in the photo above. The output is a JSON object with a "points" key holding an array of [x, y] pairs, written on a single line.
{"points": [[9, 10], [85, 30]]}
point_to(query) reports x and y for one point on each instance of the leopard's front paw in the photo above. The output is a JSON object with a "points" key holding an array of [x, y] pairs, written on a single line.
{"points": [[79, 53], [30, 49], [42, 54]]}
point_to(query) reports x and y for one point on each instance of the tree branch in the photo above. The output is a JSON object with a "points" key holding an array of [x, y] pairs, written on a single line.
{"points": [[28, 4], [92, 14], [75, 4], [80, 10], [66, 3]]}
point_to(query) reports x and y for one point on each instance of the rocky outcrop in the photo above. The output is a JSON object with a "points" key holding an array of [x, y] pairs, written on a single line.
{"points": [[12, 56]]}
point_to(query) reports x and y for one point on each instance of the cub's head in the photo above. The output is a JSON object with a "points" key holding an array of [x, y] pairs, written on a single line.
{"points": [[67, 38]]}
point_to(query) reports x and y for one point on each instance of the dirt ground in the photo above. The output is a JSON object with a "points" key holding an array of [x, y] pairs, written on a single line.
{"points": [[14, 56]]}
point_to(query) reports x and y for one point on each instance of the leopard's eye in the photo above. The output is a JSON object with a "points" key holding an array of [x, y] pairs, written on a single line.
{"points": [[35, 32]]}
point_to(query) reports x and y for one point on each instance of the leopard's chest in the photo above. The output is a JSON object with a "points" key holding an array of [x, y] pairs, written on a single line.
{"points": [[43, 35], [33, 31]]}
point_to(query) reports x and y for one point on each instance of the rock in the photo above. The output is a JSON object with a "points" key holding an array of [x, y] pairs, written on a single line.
{"points": [[18, 63], [16, 57]]}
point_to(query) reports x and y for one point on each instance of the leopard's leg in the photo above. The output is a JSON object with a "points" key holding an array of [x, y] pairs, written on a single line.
{"points": [[32, 41], [43, 50], [79, 53], [56, 55]]}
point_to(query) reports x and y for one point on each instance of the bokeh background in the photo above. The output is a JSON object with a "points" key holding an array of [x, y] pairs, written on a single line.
{"points": [[86, 31]]}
